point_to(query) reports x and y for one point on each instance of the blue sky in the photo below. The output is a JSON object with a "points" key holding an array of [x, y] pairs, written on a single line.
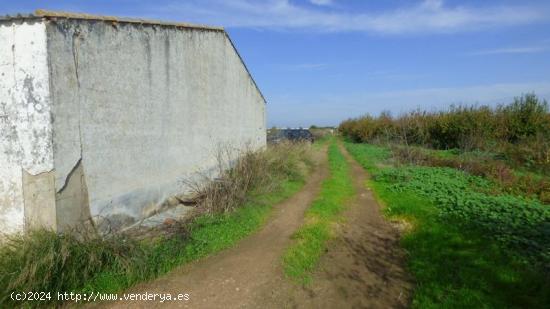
{"points": [[321, 61]]}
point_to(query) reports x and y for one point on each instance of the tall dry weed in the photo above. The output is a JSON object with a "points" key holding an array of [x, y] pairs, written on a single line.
{"points": [[251, 172]]}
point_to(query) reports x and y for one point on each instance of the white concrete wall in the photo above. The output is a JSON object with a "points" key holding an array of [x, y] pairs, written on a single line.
{"points": [[107, 120], [141, 108], [25, 120]]}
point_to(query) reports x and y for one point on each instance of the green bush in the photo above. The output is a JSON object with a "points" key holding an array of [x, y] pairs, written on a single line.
{"points": [[520, 131]]}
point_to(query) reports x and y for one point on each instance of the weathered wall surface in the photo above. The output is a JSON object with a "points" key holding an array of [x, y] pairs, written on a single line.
{"points": [[26, 151], [139, 108]]}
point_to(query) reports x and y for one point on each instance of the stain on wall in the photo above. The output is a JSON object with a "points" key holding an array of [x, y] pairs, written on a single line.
{"points": [[145, 107], [26, 147], [115, 117]]}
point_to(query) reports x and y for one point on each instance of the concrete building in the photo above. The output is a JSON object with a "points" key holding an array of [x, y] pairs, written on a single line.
{"points": [[104, 118]]}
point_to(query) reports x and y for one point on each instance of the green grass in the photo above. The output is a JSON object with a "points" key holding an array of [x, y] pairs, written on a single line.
{"points": [[209, 234], [368, 156], [463, 247], [50, 262], [310, 240], [323, 141]]}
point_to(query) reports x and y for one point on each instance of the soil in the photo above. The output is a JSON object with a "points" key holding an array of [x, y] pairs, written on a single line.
{"points": [[363, 267]]}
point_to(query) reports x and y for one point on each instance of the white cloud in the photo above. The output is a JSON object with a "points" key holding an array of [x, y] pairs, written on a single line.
{"points": [[511, 50], [428, 16]]}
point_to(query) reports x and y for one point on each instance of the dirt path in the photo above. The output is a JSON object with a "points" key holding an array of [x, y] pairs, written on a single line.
{"points": [[234, 277], [364, 266]]}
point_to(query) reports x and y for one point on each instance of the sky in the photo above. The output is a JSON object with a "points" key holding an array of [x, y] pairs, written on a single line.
{"points": [[318, 62]]}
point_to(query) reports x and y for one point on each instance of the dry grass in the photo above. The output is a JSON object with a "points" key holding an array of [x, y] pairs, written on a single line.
{"points": [[254, 172], [479, 164], [46, 261], [519, 131], [81, 260]]}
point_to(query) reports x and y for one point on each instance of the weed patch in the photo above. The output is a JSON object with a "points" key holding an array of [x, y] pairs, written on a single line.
{"points": [[517, 223], [519, 131], [51, 262], [467, 248], [479, 163]]}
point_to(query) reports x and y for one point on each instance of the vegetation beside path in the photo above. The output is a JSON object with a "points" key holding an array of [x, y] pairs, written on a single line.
{"points": [[311, 239], [81, 262], [470, 244]]}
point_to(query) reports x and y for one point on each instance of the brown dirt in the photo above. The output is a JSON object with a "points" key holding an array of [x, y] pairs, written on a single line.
{"points": [[232, 278], [363, 267]]}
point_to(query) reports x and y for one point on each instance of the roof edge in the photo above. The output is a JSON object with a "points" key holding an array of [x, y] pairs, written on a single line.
{"points": [[40, 13], [244, 65], [68, 15]]}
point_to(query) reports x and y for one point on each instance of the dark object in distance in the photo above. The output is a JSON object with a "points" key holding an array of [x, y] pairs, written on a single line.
{"points": [[293, 135]]}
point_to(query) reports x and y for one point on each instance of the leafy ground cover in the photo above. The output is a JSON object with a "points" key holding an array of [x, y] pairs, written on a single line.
{"points": [[516, 181], [311, 239], [468, 247], [515, 222]]}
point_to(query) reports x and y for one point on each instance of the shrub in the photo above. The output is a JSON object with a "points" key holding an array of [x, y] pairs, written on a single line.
{"points": [[519, 131], [254, 171], [526, 117]]}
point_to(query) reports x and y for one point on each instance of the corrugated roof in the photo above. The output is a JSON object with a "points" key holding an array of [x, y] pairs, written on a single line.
{"points": [[41, 14]]}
